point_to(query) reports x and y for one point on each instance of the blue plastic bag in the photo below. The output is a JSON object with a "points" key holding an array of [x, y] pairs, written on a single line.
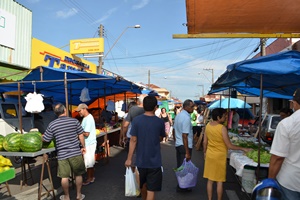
{"points": [[187, 174]]}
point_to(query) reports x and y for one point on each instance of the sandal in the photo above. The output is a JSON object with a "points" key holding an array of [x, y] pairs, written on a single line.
{"points": [[82, 197]]}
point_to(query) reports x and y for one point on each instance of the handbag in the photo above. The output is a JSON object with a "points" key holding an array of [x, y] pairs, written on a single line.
{"points": [[187, 174], [131, 186]]}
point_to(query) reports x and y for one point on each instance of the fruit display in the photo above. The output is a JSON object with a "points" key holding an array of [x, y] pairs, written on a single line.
{"points": [[1, 142], [12, 141], [5, 164], [27, 142], [31, 142], [264, 156]]}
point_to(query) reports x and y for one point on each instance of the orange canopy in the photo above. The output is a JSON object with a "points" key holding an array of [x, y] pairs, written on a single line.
{"points": [[243, 16]]}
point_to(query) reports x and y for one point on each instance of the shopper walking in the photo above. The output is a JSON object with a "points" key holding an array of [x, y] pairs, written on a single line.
{"points": [[89, 127], [184, 135], [68, 134], [168, 122], [147, 131]]}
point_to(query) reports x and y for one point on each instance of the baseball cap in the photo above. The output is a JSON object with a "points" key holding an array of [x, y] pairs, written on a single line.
{"points": [[81, 106], [296, 94]]}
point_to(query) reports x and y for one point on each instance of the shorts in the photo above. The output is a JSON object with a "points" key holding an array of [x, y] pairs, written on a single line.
{"points": [[152, 177], [89, 156], [67, 166], [133, 155]]}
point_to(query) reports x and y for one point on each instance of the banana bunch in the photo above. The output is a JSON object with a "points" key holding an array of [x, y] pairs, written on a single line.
{"points": [[5, 164]]}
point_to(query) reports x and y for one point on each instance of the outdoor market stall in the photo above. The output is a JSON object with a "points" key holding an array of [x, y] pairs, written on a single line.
{"points": [[25, 155]]}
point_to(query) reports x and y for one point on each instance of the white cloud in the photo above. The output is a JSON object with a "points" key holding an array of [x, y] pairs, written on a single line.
{"points": [[66, 13], [140, 5], [106, 15]]}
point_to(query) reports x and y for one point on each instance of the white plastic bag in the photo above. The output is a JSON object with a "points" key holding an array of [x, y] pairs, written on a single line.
{"points": [[34, 103], [171, 132], [131, 186], [85, 96]]}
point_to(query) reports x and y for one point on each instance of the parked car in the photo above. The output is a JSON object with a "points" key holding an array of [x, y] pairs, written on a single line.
{"points": [[268, 127]]}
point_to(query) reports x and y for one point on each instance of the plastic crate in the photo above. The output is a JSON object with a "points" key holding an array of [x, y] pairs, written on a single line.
{"points": [[7, 175]]}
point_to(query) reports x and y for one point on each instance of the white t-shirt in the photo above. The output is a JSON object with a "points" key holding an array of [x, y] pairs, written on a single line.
{"points": [[286, 144]]}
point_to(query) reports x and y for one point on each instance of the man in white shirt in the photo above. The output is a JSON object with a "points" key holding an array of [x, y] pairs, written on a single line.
{"points": [[285, 159]]}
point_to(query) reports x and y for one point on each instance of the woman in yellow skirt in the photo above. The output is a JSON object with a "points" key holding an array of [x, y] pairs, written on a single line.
{"points": [[215, 146]]}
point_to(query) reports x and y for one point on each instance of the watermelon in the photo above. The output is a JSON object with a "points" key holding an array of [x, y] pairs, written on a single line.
{"points": [[1, 142], [47, 145], [11, 142], [31, 142]]}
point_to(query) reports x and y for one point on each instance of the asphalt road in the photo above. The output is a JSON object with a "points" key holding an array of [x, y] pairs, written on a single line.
{"points": [[110, 179]]}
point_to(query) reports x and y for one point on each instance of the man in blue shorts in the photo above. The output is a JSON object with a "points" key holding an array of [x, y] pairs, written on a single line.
{"points": [[147, 131], [68, 134]]}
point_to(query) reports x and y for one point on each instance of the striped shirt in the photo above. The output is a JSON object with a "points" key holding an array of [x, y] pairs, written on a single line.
{"points": [[65, 130]]}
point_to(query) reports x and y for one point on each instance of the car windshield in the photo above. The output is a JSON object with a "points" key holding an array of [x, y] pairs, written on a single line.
{"points": [[275, 121]]}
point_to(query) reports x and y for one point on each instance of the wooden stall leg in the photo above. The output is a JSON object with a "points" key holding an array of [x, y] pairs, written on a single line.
{"points": [[51, 182], [41, 179], [7, 187]]}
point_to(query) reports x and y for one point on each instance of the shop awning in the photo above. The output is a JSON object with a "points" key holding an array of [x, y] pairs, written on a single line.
{"points": [[7, 73], [255, 18]]}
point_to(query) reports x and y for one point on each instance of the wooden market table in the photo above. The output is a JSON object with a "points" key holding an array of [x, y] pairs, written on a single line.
{"points": [[26, 155], [108, 138]]}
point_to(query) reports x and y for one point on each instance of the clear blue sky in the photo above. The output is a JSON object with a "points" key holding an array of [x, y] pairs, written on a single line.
{"points": [[174, 64]]}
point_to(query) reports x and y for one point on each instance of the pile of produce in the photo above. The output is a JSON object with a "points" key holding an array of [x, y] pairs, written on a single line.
{"points": [[264, 156], [27, 142], [5, 164]]}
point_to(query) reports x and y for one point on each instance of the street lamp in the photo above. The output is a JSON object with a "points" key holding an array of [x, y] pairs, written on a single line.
{"points": [[135, 26], [212, 74], [103, 57]]}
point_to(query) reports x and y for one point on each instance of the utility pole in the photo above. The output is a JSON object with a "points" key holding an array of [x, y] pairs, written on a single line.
{"points": [[212, 74], [149, 78], [101, 33]]}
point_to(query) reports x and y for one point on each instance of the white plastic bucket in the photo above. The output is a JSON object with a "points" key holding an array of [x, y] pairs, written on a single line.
{"points": [[248, 179]]}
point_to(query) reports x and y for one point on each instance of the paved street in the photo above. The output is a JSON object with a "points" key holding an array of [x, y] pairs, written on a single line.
{"points": [[110, 180]]}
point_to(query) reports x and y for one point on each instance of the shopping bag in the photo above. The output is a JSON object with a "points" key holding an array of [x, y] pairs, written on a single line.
{"points": [[131, 186], [170, 132], [187, 174]]}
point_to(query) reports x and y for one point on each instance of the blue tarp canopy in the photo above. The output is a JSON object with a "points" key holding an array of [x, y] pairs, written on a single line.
{"points": [[56, 83], [251, 91], [280, 73]]}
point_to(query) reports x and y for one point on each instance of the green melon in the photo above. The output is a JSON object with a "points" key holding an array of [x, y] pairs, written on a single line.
{"points": [[11, 142], [31, 142], [1, 142], [47, 145]]}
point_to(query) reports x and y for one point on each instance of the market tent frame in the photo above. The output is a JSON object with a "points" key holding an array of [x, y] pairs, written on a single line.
{"points": [[65, 86]]}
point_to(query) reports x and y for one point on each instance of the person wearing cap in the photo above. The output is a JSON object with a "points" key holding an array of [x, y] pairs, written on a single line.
{"points": [[285, 155], [89, 127], [67, 131]]}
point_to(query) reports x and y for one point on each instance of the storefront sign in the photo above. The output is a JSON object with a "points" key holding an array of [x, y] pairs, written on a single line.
{"points": [[86, 46], [7, 29], [44, 54]]}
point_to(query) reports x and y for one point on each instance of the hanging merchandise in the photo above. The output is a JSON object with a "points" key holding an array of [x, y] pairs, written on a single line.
{"points": [[110, 106], [84, 97], [34, 103]]}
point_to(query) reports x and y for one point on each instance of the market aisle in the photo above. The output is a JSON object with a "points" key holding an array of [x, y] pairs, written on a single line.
{"points": [[110, 179]]}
